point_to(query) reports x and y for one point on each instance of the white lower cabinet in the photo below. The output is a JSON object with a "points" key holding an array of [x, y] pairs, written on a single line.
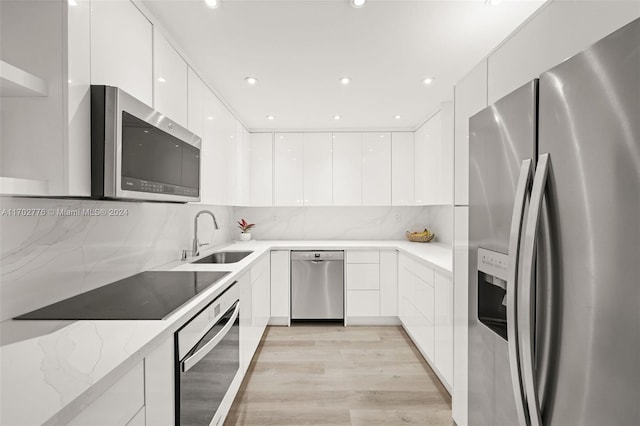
{"points": [[443, 316], [159, 389], [371, 283], [255, 309], [119, 404], [280, 287], [425, 303]]}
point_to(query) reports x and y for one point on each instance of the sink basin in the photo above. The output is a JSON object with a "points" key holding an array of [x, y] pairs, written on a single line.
{"points": [[224, 257]]}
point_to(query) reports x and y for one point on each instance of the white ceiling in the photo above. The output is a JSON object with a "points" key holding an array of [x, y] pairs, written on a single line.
{"points": [[299, 50]]}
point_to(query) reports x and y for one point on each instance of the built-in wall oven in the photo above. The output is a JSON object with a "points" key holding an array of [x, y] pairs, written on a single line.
{"points": [[207, 360]]}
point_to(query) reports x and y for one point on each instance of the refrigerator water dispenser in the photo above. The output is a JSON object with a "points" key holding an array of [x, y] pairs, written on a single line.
{"points": [[492, 290]]}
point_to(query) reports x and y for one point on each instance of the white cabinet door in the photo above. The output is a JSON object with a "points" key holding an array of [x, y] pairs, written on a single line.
{"points": [[318, 168], [121, 48], [170, 80], [159, 381], [388, 283], [196, 90], [229, 153], [443, 314], [426, 159], [347, 169], [213, 162], [241, 147], [363, 303], [363, 276], [421, 160], [402, 168], [280, 284], [470, 97], [246, 321], [434, 159], [261, 169], [376, 169], [288, 169], [444, 157]]}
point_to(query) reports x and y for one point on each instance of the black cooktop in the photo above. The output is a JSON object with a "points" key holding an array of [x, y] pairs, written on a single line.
{"points": [[149, 295]]}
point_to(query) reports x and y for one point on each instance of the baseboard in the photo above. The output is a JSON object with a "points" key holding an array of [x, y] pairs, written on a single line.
{"points": [[372, 321]]}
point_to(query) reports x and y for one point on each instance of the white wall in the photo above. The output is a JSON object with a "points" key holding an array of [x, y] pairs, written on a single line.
{"points": [[345, 223], [49, 258]]}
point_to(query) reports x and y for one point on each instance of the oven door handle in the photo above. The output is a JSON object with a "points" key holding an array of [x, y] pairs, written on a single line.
{"points": [[189, 362]]}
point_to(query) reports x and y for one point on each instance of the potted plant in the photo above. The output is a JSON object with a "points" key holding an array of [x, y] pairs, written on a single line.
{"points": [[244, 228]]}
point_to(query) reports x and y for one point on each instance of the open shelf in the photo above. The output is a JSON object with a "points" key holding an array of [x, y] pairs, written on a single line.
{"points": [[18, 186], [19, 83]]}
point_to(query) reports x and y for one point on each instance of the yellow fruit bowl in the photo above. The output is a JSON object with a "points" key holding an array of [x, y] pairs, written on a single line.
{"points": [[417, 238]]}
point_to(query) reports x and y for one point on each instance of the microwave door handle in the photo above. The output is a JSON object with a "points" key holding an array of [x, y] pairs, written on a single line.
{"points": [[528, 287], [522, 189], [189, 362]]}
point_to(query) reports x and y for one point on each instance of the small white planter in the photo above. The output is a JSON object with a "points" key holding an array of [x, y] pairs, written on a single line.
{"points": [[245, 236]]}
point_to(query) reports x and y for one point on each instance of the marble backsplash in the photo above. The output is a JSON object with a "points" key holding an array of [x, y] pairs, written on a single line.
{"points": [[346, 223], [66, 251]]}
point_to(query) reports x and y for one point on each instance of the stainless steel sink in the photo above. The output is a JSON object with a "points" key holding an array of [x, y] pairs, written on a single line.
{"points": [[224, 257]]}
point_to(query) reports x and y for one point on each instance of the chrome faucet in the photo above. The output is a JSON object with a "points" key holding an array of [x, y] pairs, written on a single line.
{"points": [[196, 243]]}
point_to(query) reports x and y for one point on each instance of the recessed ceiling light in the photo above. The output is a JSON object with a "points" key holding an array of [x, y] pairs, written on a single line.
{"points": [[357, 3], [161, 80], [212, 3], [210, 117], [271, 117], [73, 3], [336, 117], [397, 117], [345, 81], [251, 80], [428, 80]]}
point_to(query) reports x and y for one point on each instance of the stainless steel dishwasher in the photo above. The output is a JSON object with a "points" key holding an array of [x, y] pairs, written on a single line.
{"points": [[317, 285]]}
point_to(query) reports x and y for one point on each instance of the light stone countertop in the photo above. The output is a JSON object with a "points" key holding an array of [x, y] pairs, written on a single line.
{"points": [[52, 370]]}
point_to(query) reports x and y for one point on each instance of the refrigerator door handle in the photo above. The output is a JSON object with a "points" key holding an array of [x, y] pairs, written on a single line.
{"points": [[522, 188], [528, 278]]}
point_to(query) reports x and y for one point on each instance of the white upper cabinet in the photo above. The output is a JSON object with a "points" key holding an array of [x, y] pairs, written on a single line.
{"points": [[402, 168], [347, 169], [423, 160], [242, 165], [470, 97], [261, 169], [213, 165], [121, 49], [288, 166], [196, 90], [318, 188], [376, 169], [434, 159], [170, 80]]}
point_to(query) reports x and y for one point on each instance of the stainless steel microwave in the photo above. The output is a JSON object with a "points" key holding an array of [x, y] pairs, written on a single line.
{"points": [[137, 153]]}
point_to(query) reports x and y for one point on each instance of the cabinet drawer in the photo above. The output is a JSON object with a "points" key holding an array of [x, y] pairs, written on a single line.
{"points": [[363, 303], [363, 256], [118, 405], [363, 276]]}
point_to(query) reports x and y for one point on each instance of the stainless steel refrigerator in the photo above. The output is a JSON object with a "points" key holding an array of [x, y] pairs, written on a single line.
{"points": [[554, 245]]}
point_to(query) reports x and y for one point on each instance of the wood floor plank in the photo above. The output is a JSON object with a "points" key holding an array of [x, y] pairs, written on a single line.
{"points": [[333, 375]]}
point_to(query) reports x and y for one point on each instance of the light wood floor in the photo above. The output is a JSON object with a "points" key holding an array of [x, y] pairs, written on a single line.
{"points": [[334, 375]]}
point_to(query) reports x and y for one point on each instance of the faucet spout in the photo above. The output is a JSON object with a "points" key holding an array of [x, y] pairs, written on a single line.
{"points": [[196, 243]]}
